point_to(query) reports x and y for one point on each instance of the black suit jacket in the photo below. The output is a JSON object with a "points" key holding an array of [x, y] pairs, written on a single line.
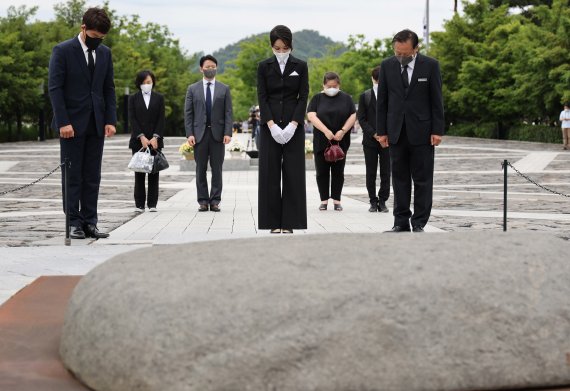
{"points": [[421, 107], [75, 94], [282, 97], [366, 115], [148, 121]]}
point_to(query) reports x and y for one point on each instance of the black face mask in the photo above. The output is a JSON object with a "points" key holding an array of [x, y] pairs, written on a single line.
{"points": [[92, 43]]}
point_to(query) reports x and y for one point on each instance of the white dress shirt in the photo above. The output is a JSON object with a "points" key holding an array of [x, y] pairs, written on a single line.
{"points": [[282, 64], [411, 66], [146, 98], [565, 119], [212, 87], [85, 49]]}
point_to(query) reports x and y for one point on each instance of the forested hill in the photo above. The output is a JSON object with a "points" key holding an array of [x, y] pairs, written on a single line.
{"points": [[306, 43]]}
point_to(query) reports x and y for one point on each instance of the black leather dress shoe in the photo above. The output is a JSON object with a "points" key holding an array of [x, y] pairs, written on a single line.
{"points": [[399, 228], [203, 208], [76, 232], [382, 207], [91, 231], [373, 207], [418, 228], [215, 208]]}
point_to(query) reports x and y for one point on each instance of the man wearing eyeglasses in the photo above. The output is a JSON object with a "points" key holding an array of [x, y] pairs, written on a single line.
{"points": [[82, 93]]}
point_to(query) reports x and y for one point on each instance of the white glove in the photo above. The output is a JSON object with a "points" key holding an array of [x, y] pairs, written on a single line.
{"points": [[277, 134], [289, 132]]}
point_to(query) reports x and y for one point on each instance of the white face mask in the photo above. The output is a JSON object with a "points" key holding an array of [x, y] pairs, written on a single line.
{"points": [[282, 57], [146, 88], [331, 91]]}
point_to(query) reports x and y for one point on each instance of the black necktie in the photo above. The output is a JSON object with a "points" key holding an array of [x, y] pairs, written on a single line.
{"points": [[208, 104], [405, 78], [90, 61]]}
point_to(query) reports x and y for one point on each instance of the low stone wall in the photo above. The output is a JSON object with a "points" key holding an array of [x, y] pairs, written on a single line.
{"points": [[242, 163], [230, 164]]}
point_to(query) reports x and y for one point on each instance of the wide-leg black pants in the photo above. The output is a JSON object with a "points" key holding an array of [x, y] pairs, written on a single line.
{"points": [[282, 193]]}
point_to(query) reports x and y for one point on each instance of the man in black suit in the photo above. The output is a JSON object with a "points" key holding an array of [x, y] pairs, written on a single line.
{"points": [[82, 93], [373, 151], [208, 122], [410, 121]]}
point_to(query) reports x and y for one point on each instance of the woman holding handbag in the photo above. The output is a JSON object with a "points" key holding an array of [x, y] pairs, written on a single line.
{"points": [[332, 113], [146, 120]]}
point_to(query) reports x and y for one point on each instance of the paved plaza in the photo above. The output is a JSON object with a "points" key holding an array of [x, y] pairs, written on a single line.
{"points": [[468, 195]]}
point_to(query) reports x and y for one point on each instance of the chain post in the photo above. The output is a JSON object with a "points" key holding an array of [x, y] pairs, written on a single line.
{"points": [[506, 164], [505, 169]]}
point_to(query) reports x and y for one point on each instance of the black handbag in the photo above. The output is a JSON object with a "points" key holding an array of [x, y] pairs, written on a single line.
{"points": [[160, 162]]}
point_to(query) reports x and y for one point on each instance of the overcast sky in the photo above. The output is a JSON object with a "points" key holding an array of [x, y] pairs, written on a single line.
{"points": [[210, 25]]}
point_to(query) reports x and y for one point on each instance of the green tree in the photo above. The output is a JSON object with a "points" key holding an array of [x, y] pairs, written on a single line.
{"points": [[354, 65], [70, 13], [241, 75], [498, 66], [20, 84]]}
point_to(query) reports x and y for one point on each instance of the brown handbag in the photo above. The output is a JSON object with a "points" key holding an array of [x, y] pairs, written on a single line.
{"points": [[333, 153]]}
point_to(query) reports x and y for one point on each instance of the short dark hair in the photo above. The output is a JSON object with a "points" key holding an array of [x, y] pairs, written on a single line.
{"points": [[405, 36], [331, 76], [142, 75], [283, 33], [96, 19], [203, 59], [376, 73], [567, 104]]}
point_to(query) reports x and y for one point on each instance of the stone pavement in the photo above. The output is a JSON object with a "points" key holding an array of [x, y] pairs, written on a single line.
{"points": [[468, 195]]}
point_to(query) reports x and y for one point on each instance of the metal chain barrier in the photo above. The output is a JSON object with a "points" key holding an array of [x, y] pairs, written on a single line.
{"points": [[32, 183], [534, 182]]}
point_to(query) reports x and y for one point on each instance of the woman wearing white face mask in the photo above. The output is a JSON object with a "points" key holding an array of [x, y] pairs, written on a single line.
{"points": [[146, 121], [332, 114], [282, 91]]}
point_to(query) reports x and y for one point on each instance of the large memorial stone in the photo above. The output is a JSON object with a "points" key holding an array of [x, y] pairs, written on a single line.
{"points": [[456, 311]]}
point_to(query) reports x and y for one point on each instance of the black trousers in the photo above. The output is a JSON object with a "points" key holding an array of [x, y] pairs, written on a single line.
{"points": [[282, 165], [209, 150], [140, 191], [412, 163], [85, 154], [330, 177], [372, 157]]}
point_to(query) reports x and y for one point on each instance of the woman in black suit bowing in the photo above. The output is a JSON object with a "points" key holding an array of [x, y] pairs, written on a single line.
{"points": [[282, 91], [146, 119]]}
